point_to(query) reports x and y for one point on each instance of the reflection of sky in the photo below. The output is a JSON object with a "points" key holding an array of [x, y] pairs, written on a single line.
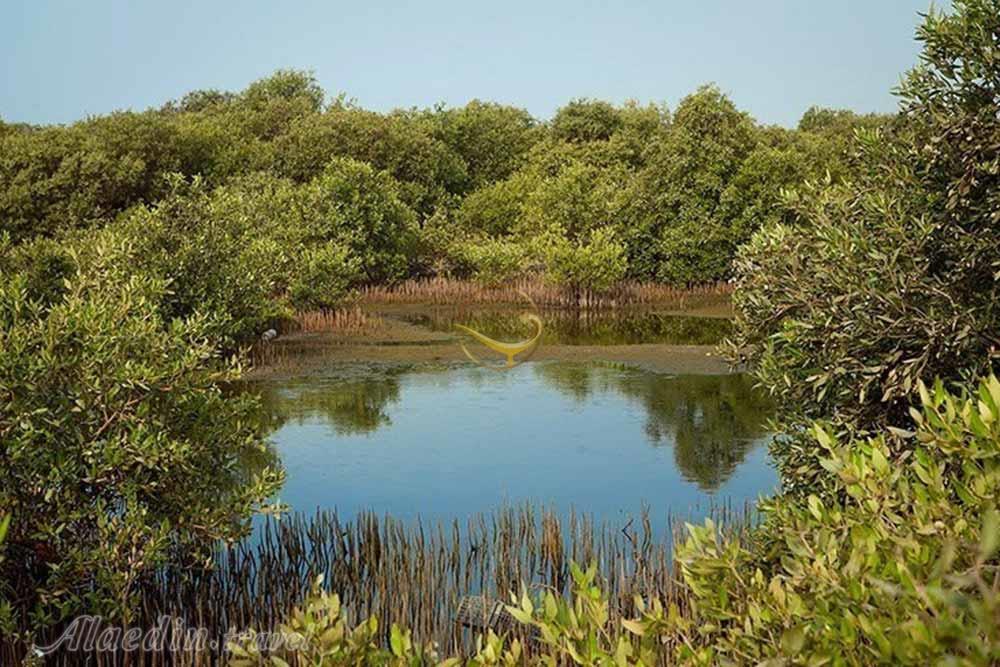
{"points": [[463, 441]]}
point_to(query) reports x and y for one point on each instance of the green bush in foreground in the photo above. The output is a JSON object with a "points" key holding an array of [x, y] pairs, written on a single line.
{"points": [[900, 568], [119, 449], [876, 283]]}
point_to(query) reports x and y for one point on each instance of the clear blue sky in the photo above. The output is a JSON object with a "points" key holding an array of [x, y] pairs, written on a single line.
{"points": [[64, 59]]}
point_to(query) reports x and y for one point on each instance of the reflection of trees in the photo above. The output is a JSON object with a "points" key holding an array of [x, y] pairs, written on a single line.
{"points": [[350, 405], [578, 327], [712, 421]]}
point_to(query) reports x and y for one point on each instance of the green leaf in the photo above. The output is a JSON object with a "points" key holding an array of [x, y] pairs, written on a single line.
{"points": [[792, 640], [989, 540], [635, 627], [815, 507]]}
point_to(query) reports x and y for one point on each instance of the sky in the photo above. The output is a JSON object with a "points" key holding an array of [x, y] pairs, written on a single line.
{"points": [[62, 60]]}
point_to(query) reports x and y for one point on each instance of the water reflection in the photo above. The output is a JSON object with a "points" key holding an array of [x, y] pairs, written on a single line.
{"points": [[575, 327], [710, 421], [449, 440], [350, 404]]}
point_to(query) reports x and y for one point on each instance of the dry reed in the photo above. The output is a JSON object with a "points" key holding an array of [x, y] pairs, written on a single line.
{"points": [[439, 291], [414, 574], [349, 322]]}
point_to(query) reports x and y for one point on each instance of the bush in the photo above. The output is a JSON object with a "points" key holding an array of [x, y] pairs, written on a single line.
{"points": [[495, 261], [58, 178], [892, 278], [207, 260], [426, 169], [493, 140], [676, 228], [585, 120], [595, 264], [566, 632], [323, 277], [360, 208], [897, 566], [572, 203], [43, 264], [120, 451], [498, 208]]}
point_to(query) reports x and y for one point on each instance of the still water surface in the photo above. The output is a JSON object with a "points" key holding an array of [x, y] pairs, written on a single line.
{"points": [[444, 442], [567, 327]]}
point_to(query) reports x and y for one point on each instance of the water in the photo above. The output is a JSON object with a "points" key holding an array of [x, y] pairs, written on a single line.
{"points": [[443, 442], [567, 327]]}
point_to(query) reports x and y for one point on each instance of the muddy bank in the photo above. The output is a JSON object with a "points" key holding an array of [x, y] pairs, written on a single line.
{"points": [[396, 337], [306, 353]]}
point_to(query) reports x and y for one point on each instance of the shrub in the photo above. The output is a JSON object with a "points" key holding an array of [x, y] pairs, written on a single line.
{"points": [[495, 261], [585, 120], [497, 209], [572, 203], [59, 178], [562, 632], [596, 263], [675, 224], [360, 208], [44, 265], [892, 278], [208, 263], [425, 168], [493, 140], [323, 277], [897, 566], [120, 451]]}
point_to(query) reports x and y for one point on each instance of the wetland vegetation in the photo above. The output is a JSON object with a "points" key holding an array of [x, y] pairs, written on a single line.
{"points": [[239, 299]]}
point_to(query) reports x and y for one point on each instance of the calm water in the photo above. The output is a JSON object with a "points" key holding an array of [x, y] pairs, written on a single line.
{"points": [[582, 328], [449, 441]]}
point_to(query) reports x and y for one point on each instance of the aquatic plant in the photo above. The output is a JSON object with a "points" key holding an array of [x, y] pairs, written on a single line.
{"points": [[413, 575], [451, 291]]}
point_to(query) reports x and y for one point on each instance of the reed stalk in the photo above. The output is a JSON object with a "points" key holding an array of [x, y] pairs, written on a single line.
{"points": [[414, 574]]}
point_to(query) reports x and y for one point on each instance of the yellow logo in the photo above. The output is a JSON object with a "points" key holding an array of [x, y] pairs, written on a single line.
{"points": [[525, 347]]}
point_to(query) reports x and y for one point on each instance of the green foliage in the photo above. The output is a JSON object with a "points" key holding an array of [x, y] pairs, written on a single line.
{"points": [[561, 632], [951, 105], [317, 634], [840, 124], [58, 178], [284, 86], [893, 277], [664, 187], [493, 140], [497, 208], [495, 261], [424, 166], [576, 631], [783, 160], [206, 259], [595, 262], [585, 120], [897, 566], [360, 208], [324, 275], [119, 448], [677, 230], [43, 264], [578, 199]]}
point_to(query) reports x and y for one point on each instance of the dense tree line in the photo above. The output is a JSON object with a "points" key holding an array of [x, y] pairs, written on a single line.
{"points": [[597, 194]]}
